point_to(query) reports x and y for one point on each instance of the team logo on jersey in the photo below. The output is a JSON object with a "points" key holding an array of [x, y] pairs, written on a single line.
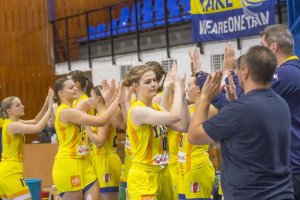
{"points": [[275, 76], [106, 178], [75, 181], [195, 187]]}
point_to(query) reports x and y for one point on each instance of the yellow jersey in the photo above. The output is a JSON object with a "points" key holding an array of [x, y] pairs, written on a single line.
{"points": [[148, 142], [12, 144], [82, 129], [72, 144], [77, 101], [1, 122], [174, 138], [192, 156], [110, 145]]}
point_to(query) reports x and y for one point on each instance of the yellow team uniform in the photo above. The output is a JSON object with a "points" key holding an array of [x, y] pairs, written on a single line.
{"points": [[107, 163], [148, 178], [174, 138], [72, 170], [197, 174], [82, 128], [128, 160], [12, 183], [128, 155], [1, 122], [77, 101]]}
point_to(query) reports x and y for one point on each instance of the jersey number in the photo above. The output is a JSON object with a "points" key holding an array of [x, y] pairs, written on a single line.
{"points": [[23, 182]]}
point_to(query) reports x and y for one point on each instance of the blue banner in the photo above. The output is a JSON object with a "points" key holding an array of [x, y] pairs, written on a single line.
{"points": [[230, 19]]}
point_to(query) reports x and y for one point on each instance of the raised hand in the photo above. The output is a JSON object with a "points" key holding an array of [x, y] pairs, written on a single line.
{"points": [[174, 73], [229, 58], [212, 85], [230, 88], [113, 87], [183, 83], [195, 60], [168, 81], [105, 90], [50, 93]]}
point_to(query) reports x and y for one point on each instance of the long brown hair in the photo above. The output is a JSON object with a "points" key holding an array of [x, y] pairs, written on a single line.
{"points": [[6, 104], [134, 74]]}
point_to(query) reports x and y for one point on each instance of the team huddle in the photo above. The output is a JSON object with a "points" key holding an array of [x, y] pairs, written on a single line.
{"points": [[169, 120]]}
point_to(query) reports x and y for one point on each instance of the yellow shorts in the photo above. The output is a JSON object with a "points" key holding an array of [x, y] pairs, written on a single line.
{"points": [[12, 183], [220, 191], [174, 172], [108, 169], [197, 183], [72, 174], [148, 185], [127, 166]]}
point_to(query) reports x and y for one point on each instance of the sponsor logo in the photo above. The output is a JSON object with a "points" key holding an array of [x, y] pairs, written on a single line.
{"points": [[161, 159], [83, 150], [75, 181], [181, 157], [195, 187], [106, 178]]}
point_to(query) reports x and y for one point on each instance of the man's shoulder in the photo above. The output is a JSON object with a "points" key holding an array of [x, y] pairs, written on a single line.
{"points": [[289, 65]]}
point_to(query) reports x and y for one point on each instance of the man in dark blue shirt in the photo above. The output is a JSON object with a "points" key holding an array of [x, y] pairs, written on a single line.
{"points": [[286, 83], [253, 131]]}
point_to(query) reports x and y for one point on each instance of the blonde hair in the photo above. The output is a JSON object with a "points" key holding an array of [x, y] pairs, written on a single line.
{"points": [[6, 104], [134, 74]]}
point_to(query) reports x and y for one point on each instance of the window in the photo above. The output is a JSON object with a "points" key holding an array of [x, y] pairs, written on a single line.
{"points": [[167, 64], [124, 70], [216, 61]]}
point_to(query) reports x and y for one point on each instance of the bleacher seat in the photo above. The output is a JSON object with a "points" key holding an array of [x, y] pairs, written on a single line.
{"points": [[101, 31], [186, 5], [174, 14], [114, 27], [159, 4], [147, 15], [147, 21], [124, 20], [133, 19], [159, 18], [92, 32], [171, 3]]}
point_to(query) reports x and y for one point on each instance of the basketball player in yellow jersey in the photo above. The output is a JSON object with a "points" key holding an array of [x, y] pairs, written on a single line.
{"points": [[12, 182], [160, 77], [84, 86], [197, 174], [106, 162], [128, 100], [72, 173], [148, 177], [174, 137]]}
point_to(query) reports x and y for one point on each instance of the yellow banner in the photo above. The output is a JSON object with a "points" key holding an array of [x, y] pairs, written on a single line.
{"points": [[216, 6]]}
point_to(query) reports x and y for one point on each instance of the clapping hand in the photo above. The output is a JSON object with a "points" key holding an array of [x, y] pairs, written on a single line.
{"points": [[212, 85], [229, 58]]}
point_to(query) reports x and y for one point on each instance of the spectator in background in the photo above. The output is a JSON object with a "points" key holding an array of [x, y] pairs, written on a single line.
{"points": [[46, 135], [286, 82]]}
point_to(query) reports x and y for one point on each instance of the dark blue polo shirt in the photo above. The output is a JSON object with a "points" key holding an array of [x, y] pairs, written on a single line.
{"points": [[286, 83], [254, 132]]}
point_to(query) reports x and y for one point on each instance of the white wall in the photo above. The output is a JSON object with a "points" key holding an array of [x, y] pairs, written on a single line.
{"points": [[103, 69]]}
